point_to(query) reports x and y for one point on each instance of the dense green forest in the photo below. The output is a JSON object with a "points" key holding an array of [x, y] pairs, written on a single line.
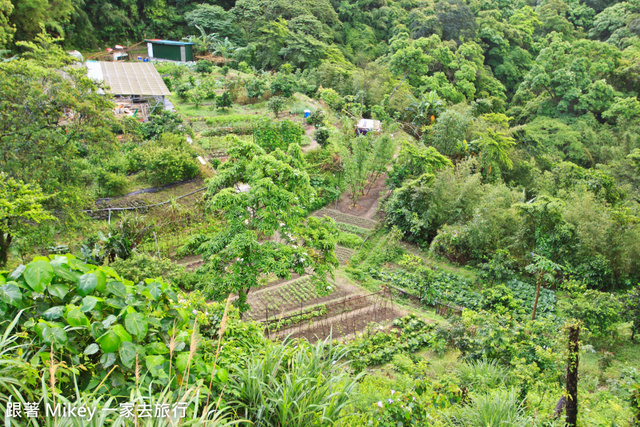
{"points": [[250, 258]]}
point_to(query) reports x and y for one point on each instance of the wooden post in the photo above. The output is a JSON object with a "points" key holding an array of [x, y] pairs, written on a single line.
{"points": [[572, 375], [535, 303]]}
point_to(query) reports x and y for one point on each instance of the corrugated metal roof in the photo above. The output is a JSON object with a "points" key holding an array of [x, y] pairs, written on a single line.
{"points": [[170, 42], [130, 78], [368, 124]]}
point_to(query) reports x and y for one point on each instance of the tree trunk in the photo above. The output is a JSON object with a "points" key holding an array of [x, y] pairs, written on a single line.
{"points": [[572, 376], [5, 242], [535, 303]]}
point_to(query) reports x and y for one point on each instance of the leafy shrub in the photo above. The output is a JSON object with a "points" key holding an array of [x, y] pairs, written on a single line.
{"points": [[204, 67], [224, 100], [349, 240], [316, 118], [500, 299], [271, 135], [632, 309], [482, 374], [116, 164], [163, 122], [283, 84], [422, 206], [276, 105], [332, 98], [499, 268], [322, 136], [503, 338], [100, 319], [215, 163], [170, 162], [600, 312], [375, 348], [111, 184], [141, 266]]}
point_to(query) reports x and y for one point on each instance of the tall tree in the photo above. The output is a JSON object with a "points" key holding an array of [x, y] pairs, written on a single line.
{"points": [[53, 122], [20, 205], [29, 17], [6, 28], [263, 201]]}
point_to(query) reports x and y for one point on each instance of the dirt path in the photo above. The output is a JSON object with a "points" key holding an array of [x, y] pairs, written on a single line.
{"points": [[308, 130]]}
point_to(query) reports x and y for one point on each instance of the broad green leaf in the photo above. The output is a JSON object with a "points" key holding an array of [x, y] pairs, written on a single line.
{"points": [[58, 260], [45, 356], [54, 313], [2, 280], [128, 354], [109, 271], [63, 272], [108, 359], [79, 265], [118, 289], [54, 335], [109, 342], [102, 280], [76, 318], [17, 272], [11, 294], [115, 302], [38, 275], [121, 332], [181, 361], [91, 349], [109, 321], [88, 303], [136, 324], [87, 283], [97, 329], [222, 375], [155, 290], [156, 348], [58, 290], [154, 362]]}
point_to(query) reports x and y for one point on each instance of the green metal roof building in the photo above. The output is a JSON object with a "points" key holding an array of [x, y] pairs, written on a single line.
{"points": [[171, 50]]}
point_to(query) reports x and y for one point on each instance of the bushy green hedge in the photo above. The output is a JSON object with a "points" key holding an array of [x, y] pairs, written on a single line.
{"points": [[349, 240], [166, 160]]}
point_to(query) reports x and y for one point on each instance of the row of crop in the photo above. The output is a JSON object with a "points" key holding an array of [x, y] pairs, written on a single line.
{"points": [[236, 129], [318, 311], [227, 119], [291, 294], [447, 287], [353, 229], [348, 219], [409, 335]]}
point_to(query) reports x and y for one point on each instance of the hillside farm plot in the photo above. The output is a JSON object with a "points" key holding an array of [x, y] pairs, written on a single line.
{"points": [[337, 318], [293, 296], [343, 254], [346, 218]]}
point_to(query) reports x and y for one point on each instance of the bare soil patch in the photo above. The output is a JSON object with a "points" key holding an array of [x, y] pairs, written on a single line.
{"points": [[367, 206]]}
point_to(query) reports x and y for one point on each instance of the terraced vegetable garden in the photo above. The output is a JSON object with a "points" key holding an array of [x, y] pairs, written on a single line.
{"points": [[293, 295], [343, 218], [337, 318], [343, 254]]}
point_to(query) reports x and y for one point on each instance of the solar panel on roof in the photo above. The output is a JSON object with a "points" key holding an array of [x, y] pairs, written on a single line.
{"points": [[133, 78]]}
